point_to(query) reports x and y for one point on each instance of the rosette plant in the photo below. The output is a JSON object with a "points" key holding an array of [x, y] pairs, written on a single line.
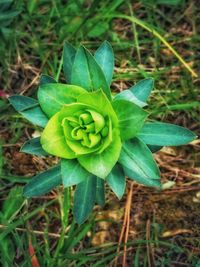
{"points": [[99, 137]]}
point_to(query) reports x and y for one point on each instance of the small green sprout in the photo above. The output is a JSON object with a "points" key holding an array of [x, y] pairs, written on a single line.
{"points": [[99, 137]]}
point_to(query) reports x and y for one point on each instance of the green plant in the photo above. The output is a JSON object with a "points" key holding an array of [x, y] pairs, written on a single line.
{"points": [[99, 137], [10, 208], [8, 12]]}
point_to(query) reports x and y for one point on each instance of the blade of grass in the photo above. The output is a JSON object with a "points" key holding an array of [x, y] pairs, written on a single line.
{"points": [[59, 69], [65, 204], [135, 33], [23, 219], [15, 179], [186, 106], [159, 36], [74, 241], [136, 257]]}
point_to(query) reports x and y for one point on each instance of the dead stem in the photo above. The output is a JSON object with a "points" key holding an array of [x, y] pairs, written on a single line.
{"points": [[125, 226], [129, 198], [53, 235], [148, 237]]}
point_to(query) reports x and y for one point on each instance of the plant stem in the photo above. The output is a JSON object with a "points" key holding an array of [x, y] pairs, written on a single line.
{"points": [[65, 204], [59, 69]]}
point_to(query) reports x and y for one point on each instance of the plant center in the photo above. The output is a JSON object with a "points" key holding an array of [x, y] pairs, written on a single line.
{"points": [[88, 127]]}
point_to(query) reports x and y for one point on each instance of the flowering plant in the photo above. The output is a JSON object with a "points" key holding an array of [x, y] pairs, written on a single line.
{"points": [[99, 137]]}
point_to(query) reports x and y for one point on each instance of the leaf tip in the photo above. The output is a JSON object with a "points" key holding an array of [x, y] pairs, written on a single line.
{"points": [[11, 99], [21, 148]]}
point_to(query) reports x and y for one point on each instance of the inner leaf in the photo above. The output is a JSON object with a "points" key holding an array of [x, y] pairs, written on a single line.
{"points": [[98, 120], [87, 131]]}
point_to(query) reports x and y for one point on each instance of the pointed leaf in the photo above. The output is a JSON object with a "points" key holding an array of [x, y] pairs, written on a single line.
{"points": [[72, 172], [29, 108], [165, 134], [45, 79], [136, 157], [141, 180], [33, 147], [87, 73], [21, 103], [84, 199], [13, 203], [57, 95], [99, 101], [7, 251], [131, 118], [129, 96], [100, 192], [105, 58], [43, 182], [142, 89], [116, 181], [102, 164], [69, 53]]}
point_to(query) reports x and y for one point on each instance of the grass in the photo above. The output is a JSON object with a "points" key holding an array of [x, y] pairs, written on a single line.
{"points": [[144, 36]]}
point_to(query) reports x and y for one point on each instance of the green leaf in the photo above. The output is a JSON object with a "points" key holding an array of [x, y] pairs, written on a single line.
{"points": [[53, 139], [138, 162], [7, 251], [35, 116], [43, 182], [165, 134], [100, 102], [72, 172], [129, 96], [21, 103], [98, 29], [105, 58], [69, 53], [163, 2], [76, 113], [87, 73], [13, 203], [29, 108], [141, 180], [116, 181], [52, 97], [33, 147], [100, 192], [84, 199], [102, 164], [142, 89], [56, 139], [131, 118], [45, 79], [8, 15]]}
